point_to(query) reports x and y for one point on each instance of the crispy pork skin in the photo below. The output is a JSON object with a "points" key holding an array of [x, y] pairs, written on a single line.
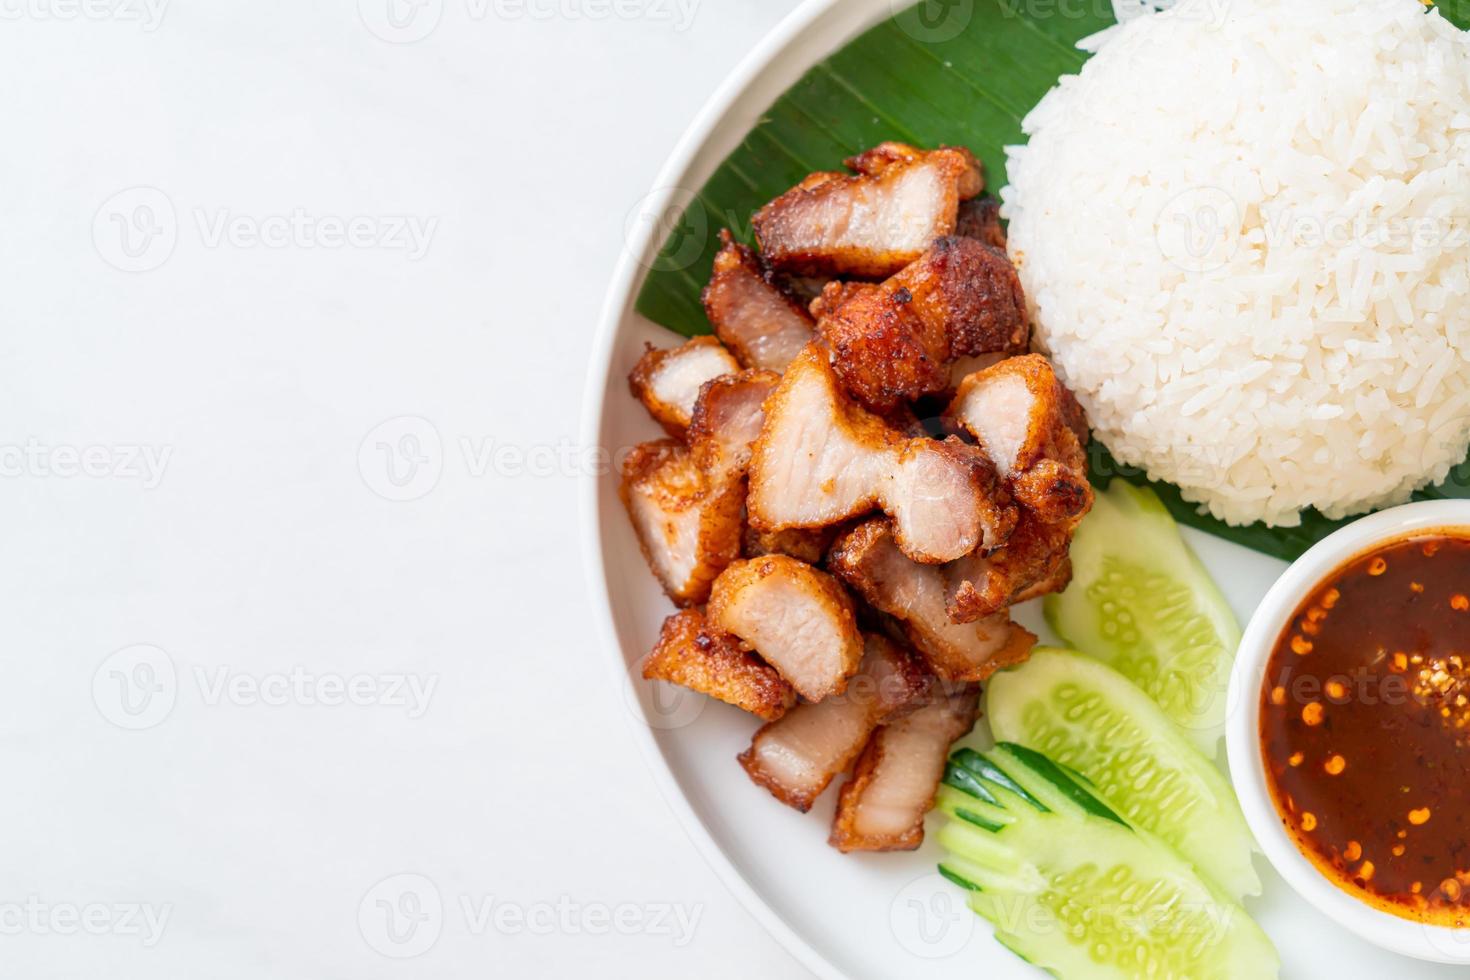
{"points": [[799, 619], [821, 459], [693, 654], [1027, 421], [727, 419], [882, 807], [871, 223], [894, 342], [796, 757], [763, 325], [980, 219], [869, 561], [1033, 562], [810, 544], [688, 526], [667, 381]]}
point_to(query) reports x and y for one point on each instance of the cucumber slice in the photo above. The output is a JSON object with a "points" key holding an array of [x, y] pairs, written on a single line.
{"points": [[1141, 602], [1083, 895], [1089, 718]]}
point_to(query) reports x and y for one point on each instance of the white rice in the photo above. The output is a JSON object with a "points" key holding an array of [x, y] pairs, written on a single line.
{"points": [[1244, 230]]}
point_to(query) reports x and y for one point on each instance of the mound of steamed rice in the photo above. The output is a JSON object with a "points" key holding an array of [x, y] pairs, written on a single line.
{"points": [[1244, 230]]}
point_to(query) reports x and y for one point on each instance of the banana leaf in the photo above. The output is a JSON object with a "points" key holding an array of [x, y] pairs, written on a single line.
{"points": [[959, 72]]}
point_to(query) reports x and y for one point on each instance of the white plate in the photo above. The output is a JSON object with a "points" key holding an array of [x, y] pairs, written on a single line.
{"points": [[878, 916]]}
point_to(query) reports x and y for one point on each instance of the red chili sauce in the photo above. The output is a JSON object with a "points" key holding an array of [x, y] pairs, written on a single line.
{"points": [[1365, 728]]}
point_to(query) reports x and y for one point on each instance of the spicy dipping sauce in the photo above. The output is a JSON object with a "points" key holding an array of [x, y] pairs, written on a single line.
{"points": [[1365, 728]]}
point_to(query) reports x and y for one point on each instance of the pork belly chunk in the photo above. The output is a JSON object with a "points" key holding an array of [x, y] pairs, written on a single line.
{"points": [[894, 342], [693, 654], [667, 381], [893, 784], [1032, 563], [799, 619], [871, 223], [821, 459], [980, 219], [688, 526], [869, 561], [808, 544], [1027, 423], [727, 419], [760, 322], [796, 757]]}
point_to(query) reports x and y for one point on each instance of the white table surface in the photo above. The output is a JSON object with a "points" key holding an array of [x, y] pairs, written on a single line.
{"points": [[265, 270]]}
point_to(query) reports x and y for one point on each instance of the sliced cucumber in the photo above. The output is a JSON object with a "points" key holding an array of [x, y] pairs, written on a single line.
{"points": [[1082, 894], [1089, 718], [1141, 602]]}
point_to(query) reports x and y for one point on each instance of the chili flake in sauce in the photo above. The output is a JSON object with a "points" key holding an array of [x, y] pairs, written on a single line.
{"points": [[1365, 728]]}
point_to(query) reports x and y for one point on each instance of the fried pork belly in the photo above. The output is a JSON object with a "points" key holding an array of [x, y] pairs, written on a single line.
{"points": [[868, 560], [688, 525], [727, 419], [693, 654], [893, 784], [963, 367], [871, 223], [894, 342], [980, 219], [667, 381], [1027, 421], [821, 459], [796, 757], [799, 619], [1032, 563], [761, 323], [808, 544]]}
